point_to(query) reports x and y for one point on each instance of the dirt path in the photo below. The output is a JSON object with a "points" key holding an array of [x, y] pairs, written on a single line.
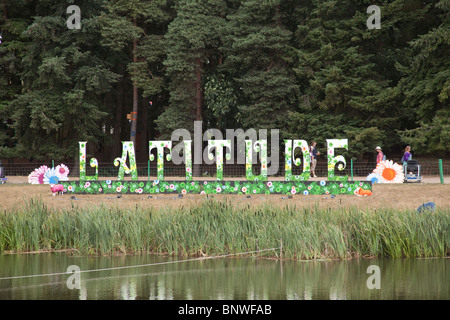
{"points": [[425, 179], [16, 192]]}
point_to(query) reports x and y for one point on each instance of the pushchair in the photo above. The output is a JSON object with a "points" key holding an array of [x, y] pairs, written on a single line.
{"points": [[411, 170], [2, 174]]}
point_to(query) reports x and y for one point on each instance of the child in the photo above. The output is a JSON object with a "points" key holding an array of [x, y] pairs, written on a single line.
{"points": [[314, 153], [407, 155]]}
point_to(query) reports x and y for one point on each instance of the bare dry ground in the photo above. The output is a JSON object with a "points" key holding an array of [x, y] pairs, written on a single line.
{"points": [[16, 192]]}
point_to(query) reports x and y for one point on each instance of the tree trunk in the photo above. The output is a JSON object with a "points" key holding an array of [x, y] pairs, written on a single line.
{"points": [[117, 146], [134, 113], [75, 171], [108, 145], [5, 11], [197, 167], [144, 131], [198, 91]]}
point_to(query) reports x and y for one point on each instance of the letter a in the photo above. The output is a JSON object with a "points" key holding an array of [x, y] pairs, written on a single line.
{"points": [[74, 281], [373, 282], [127, 149], [373, 22], [74, 21]]}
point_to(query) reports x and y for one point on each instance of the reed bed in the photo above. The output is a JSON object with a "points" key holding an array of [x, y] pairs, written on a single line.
{"points": [[220, 227]]}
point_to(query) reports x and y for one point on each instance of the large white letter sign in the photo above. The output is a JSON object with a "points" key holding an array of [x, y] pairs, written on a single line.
{"points": [[289, 154], [93, 163], [219, 145], [332, 160], [160, 145]]}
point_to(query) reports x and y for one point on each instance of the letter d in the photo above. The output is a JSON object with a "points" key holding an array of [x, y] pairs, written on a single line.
{"points": [[74, 281]]}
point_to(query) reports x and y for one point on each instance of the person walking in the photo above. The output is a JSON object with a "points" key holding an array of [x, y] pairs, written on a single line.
{"points": [[380, 155], [313, 152], [407, 155]]}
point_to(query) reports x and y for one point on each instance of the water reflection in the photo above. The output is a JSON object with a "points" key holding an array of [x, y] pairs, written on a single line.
{"points": [[231, 279]]}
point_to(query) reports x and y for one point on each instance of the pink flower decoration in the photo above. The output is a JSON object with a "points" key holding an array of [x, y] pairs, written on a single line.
{"points": [[37, 176]]}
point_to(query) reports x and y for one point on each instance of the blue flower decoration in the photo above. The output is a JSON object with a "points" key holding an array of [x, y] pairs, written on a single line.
{"points": [[374, 178], [51, 177]]}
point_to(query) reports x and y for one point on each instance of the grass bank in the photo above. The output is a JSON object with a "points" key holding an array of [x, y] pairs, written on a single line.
{"points": [[219, 227]]}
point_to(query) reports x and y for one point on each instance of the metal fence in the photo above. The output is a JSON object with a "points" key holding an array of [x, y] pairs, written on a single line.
{"points": [[360, 169]]}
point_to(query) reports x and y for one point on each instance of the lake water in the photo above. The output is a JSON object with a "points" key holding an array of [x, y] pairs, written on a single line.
{"points": [[222, 278]]}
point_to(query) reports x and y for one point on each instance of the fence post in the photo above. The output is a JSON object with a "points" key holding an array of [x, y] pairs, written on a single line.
{"points": [[441, 171], [351, 167], [148, 169]]}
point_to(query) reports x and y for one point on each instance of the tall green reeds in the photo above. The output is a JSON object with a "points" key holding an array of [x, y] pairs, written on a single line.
{"points": [[219, 227]]}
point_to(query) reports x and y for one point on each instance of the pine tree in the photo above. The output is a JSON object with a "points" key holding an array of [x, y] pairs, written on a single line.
{"points": [[311, 68], [65, 79], [192, 42], [134, 31], [14, 19], [347, 72], [259, 57], [426, 84]]}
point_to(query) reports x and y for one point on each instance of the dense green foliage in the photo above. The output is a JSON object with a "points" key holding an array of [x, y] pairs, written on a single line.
{"points": [[309, 68], [220, 227]]}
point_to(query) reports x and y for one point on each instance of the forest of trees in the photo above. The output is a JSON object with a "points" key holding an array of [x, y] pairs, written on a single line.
{"points": [[311, 68]]}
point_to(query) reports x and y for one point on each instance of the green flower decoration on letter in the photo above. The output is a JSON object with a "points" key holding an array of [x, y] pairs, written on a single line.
{"points": [[289, 155], [261, 147], [127, 149], [160, 145], [332, 160], [219, 145], [216, 187], [93, 163], [188, 159]]}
